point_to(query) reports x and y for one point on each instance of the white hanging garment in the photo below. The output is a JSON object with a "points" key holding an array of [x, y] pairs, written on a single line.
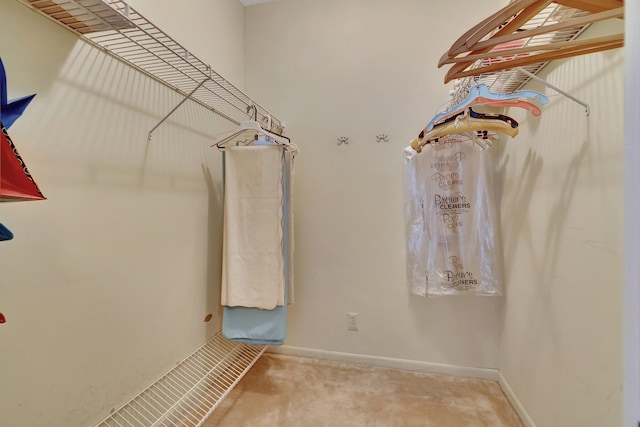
{"points": [[253, 258], [451, 219]]}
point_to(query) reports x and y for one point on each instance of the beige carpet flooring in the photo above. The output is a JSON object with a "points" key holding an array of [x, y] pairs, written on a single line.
{"points": [[287, 391]]}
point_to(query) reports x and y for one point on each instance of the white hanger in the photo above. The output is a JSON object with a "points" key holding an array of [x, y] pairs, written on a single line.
{"points": [[251, 126]]}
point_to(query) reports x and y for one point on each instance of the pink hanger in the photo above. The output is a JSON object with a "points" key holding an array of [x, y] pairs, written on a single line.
{"points": [[532, 108]]}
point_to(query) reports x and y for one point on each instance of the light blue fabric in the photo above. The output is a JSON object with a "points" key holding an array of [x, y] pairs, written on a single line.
{"points": [[253, 325]]}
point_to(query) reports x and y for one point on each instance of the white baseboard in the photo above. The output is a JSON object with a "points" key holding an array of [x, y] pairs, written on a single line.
{"points": [[515, 402], [387, 362]]}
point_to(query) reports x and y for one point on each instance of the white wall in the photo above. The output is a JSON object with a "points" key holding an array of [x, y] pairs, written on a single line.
{"points": [[358, 68], [107, 283], [562, 216]]}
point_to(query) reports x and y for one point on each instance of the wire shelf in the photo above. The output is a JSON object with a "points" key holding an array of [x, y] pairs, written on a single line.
{"points": [[192, 390], [115, 27], [84, 16]]}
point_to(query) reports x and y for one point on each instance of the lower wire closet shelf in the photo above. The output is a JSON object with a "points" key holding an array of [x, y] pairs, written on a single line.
{"points": [[192, 390]]}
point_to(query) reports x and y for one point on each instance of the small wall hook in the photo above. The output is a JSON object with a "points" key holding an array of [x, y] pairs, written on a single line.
{"points": [[343, 140], [382, 137]]}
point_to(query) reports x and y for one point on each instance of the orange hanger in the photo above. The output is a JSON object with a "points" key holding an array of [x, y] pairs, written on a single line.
{"points": [[494, 53], [507, 26], [527, 9], [542, 57], [519, 103], [592, 6]]}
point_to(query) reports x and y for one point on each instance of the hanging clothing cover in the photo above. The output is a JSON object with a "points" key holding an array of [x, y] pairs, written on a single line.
{"points": [[16, 182], [451, 220]]}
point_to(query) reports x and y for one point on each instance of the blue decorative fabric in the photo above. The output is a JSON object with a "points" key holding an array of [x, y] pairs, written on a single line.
{"points": [[10, 111], [5, 233]]}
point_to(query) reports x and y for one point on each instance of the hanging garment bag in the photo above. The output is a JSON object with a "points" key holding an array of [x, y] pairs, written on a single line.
{"points": [[451, 220]]}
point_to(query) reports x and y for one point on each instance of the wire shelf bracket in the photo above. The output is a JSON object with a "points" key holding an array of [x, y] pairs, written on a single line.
{"points": [[185, 99], [587, 108]]}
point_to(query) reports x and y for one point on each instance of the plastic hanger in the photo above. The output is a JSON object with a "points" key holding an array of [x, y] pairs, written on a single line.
{"points": [[257, 129], [252, 126], [464, 124], [481, 90], [468, 126], [483, 138], [476, 115], [532, 108], [519, 103]]}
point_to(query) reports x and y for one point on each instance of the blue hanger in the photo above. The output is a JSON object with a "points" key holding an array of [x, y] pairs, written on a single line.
{"points": [[483, 91], [10, 111]]}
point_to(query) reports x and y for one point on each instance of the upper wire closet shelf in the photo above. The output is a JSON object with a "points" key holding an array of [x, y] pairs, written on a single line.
{"points": [[118, 29], [512, 80]]}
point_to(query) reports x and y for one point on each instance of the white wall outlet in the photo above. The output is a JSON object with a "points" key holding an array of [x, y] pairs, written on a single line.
{"points": [[352, 322]]}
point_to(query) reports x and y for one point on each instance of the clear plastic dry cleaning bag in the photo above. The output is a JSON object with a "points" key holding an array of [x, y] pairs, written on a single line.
{"points": [[451, 218]]}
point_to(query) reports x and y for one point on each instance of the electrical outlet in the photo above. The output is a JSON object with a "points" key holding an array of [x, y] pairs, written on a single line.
{"points": [[352, 322]]}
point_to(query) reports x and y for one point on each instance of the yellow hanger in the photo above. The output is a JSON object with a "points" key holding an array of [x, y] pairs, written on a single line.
{"points": [[463, 125]]}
